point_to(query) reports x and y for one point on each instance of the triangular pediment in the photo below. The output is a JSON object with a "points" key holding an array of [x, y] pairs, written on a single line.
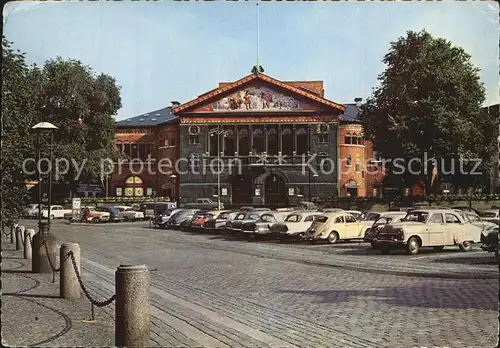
{"points": [[258, 93]]}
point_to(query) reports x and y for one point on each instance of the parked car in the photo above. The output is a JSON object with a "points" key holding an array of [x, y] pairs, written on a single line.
{"points": [[151, 209], [31, 211], [92, 215], [262, 226], [56, 212], [378, 225], [294, 226], [114, 214], [333, 227], [197, 222], [218, 219], [356, 213], [162, 219], [181, 217], [428, 228], [490, 243], [476, 220], [370, 217], [235, 226], [130, 214], [466, 208], [492, 215]]}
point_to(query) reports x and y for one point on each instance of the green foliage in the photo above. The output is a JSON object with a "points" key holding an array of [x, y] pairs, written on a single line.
{"points": [[429, 101], [67, 94]]}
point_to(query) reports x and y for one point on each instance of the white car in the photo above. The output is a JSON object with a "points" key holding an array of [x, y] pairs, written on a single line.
{"points": [[31, 210], [56, 212], [477, 221], [129, 213], [294, 226], [492, 215]]}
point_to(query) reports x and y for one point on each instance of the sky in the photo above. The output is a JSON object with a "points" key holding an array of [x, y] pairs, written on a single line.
{"points": [[174, 51]]}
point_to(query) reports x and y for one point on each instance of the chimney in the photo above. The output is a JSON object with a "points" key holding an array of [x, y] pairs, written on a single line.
{"points": [[175, 103], [358, 101]]}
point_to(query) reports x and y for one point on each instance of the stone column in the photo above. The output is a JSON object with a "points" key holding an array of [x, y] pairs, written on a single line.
{"points": [[39, 261], [132, 306], [28, 237], [69, 287], [19, 237]]}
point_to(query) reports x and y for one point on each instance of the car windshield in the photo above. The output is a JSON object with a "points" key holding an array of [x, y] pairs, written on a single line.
{"points": [[293, 218], [418, 216], [267, 218], [489, 214], [371, 216]]}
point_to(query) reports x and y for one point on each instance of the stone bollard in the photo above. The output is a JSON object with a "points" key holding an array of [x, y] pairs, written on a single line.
{"points": [[19, 237], [39, 261], [28, 237], [132, 306], [13, 234], [69, 287]]}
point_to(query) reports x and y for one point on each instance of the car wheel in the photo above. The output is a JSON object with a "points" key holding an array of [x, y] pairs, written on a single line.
{"points": [[333, 237], [52, 217], [438, 248], [413, 246], [465, 246], [96, 220]]}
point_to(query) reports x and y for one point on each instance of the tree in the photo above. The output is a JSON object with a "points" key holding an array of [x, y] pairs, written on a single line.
{"points": [[429, 102], [18, 107], [69, 95]]}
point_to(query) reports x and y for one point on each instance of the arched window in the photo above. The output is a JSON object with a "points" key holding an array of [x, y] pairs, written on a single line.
{"points": [[286, 142], [134, 187], [348, 160], [347, 138], [244, 142], [358, 166], [229, 143], [259, 142], [302, 141], [272, 141]]}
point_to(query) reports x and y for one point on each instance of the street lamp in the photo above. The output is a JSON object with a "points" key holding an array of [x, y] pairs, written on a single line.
{"points": [[174, 177], [44, 128], [218, 131]]}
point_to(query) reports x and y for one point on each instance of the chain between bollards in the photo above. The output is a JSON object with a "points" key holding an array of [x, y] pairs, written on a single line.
{"points": [[54, 269], [92, 301]]}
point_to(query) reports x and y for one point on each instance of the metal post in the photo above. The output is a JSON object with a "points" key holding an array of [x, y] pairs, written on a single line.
{"points": [[39, 179], [132, 306], [28, 237], [69, 287], [50, 181]]}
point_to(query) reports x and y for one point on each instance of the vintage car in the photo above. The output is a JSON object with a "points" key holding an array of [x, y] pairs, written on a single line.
{"points": [[476, 220], [335, 226], [492, 215], [294, 226], [93, 216], [197, 222], [217, 220], [435, 228], [114, 214], [235, 226], [370, 217], [356, 213], [378, 225], [130, 214], [490, 243], [31, 210], [179, 219], [56, 212], [262, 226], [162, 219]]}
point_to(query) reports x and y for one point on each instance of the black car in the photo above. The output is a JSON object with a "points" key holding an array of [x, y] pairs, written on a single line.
{"points": [[181, 218], [490, 242]]}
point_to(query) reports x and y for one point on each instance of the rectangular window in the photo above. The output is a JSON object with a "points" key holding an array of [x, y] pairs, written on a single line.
{"points": [[119, 192]]}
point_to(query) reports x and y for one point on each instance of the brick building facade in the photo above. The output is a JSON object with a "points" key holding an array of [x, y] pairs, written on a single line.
{"points": [[273, 142]]}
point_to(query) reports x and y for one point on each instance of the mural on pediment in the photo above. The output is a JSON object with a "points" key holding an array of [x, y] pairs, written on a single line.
{"points": [[256, 98]]}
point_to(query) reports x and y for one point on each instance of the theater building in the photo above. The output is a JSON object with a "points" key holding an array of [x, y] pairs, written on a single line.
{"points": [[253, 141]]}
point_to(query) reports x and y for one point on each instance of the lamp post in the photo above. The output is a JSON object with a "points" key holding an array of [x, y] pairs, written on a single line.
{"points": [[44, 128], [218, 131], [174, 191], [314, 176]]}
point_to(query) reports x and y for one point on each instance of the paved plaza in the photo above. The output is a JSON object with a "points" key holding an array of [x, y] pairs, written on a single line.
{"points": [[214, 291]]}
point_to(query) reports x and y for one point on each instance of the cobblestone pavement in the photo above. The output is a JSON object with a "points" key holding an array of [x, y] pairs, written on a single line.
{"points": [[213, 292]]}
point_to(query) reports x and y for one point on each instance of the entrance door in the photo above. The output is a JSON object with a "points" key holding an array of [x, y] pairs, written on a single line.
{"points": [[275, 190], [241, 190]]}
